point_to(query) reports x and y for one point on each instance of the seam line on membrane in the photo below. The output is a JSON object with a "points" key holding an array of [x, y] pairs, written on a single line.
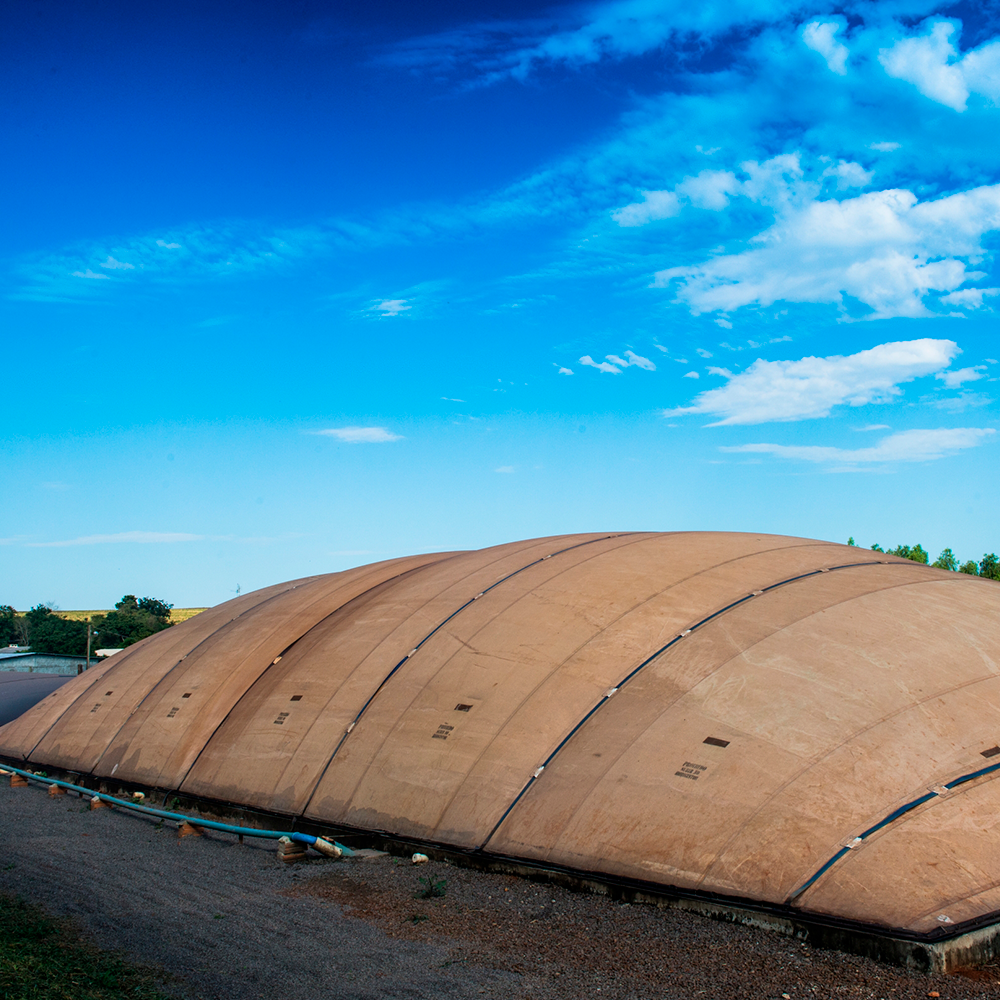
{"points": [[193, 649], [891, 818], [118, 666], [287, 649], [437, 628], [677, 638]]}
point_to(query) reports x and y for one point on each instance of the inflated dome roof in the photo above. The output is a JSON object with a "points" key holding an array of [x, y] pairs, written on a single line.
{"points": [[757, 716]]}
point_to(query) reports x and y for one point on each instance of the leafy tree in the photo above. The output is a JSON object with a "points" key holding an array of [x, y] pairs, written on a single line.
{"points": [[915, 552], [877, 548], [9, 633], [947, 560], [989, 566], [133, 619], [971, 567], [156, 608], [48, 633], [851, 541]]}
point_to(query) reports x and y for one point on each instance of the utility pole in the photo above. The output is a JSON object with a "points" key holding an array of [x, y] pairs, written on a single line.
{"points": [[88, 643]]}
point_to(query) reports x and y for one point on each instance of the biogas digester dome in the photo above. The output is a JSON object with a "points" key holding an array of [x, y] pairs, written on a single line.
{"points": [[754, 716]]}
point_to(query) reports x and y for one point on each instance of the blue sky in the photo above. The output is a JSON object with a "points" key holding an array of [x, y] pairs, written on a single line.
{"points": [[294, 287]]}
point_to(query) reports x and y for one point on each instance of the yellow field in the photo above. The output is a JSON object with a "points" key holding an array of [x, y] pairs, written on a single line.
{"points": [[176, 615]]}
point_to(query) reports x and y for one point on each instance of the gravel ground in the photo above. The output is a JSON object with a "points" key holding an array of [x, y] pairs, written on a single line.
{"points": [[231, 921]]}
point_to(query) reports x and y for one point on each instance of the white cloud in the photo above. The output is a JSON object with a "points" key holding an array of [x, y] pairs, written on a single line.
{"points": [[703, 353], [563, 371], [884, 147], [90, 274], [810, 387], [639, 361], [601, 366], [614, 363], [874, 427], [359, 435], [505, 468], [140, 537], [924, 62], [724, 323], [710, 189], [981, 69], [930, 62], [654, 205], [906, 446], [883, 248], [849, 175], [168, 246], [968, 298], [117, 265], [819, 36], [691, 375], [956, 378], [632, 359], [391, 307]]}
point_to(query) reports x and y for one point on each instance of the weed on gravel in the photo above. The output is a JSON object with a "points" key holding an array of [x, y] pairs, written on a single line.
{"points": [[45, 959]]}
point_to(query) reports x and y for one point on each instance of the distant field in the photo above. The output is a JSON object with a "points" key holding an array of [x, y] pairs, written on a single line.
{"points": [[176, 615]]}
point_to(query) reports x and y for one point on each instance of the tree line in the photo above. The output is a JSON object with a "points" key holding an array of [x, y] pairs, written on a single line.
{"points": [[988, 566], [46, 631]]}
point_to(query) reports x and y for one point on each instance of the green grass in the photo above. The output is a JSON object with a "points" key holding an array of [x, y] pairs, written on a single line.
{"points": [[45, 959]]}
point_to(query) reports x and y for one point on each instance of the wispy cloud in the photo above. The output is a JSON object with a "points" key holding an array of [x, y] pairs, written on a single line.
{"points": [[575, 36], [614, 363], [906, 446], [360, 435], [602, 366], [505, 469], [391, 307], [778, 391], [117, 265], [207, 252], [954, 379], [131, 537]]}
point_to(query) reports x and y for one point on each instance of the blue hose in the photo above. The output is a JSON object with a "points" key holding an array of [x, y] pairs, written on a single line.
{"points": [[301, 838]]}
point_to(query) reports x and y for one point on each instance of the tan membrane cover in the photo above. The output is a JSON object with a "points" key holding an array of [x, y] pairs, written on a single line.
{"points": [[712, 711]]}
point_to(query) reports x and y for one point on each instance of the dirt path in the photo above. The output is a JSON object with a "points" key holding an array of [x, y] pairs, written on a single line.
{"points": [[232, 922]]}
